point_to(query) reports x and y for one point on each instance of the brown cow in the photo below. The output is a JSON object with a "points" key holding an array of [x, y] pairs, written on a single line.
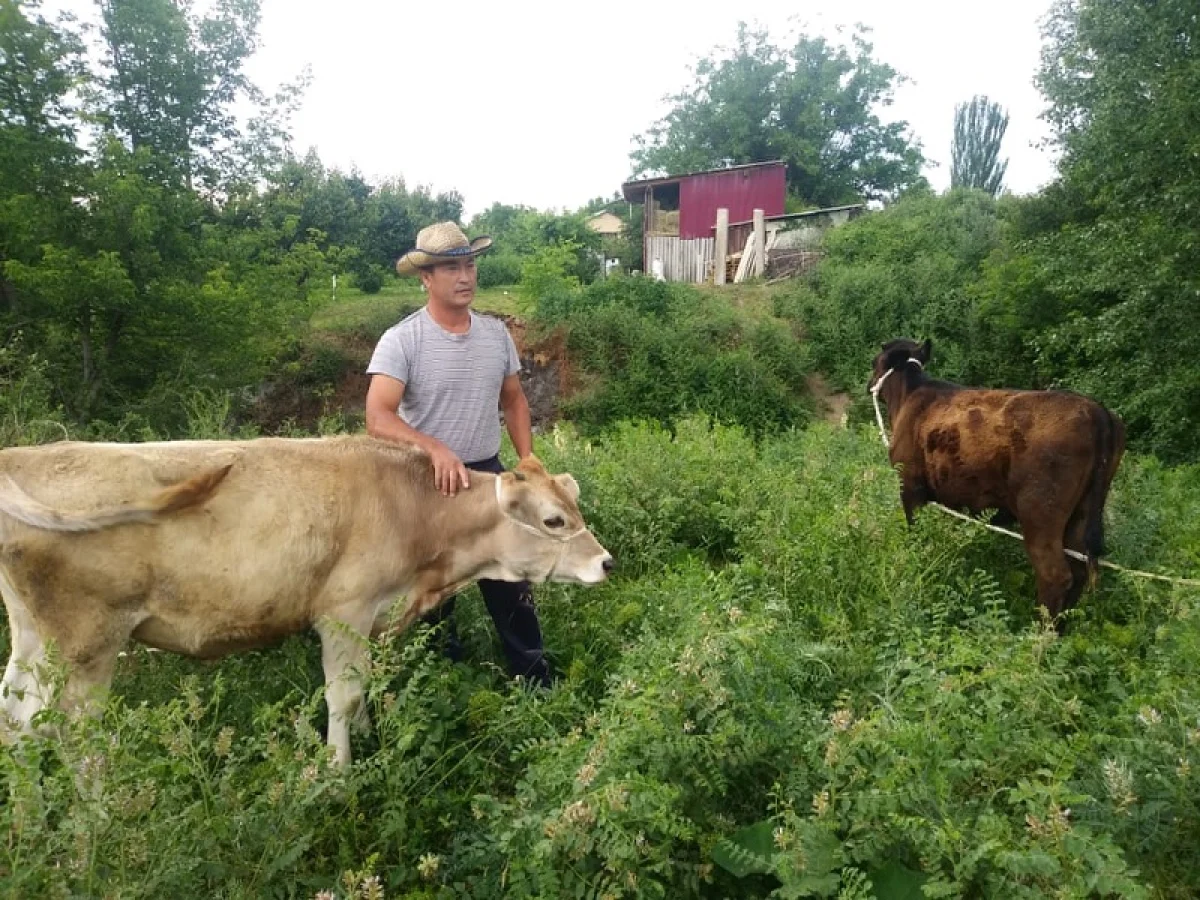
{"points": [[242, 543], [1044, 459]]}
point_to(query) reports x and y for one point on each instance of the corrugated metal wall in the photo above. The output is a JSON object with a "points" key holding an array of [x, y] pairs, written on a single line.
{"points": [[741, 191]]}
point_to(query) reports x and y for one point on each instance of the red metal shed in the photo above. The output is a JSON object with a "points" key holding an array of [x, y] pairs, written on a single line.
{"points": [[679, 211]]}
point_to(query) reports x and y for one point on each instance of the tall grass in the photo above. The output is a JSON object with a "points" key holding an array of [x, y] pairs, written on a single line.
{"points": [[784, 691]]}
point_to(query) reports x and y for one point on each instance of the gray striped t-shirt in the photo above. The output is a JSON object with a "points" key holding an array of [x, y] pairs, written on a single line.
{"points": [[451, 381]]}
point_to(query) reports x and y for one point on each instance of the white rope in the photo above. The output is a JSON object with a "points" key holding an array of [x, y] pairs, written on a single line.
{"points": [[1074, 554]]}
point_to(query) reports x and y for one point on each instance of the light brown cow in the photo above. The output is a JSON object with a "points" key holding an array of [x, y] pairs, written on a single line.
{"points": [[242, 543]]}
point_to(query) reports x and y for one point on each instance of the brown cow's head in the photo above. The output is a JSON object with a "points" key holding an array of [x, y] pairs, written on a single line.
{"points": [[545, 536], [896, 354]]}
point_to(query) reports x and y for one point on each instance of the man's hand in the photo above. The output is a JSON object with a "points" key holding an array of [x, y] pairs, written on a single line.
{"points": [[449, 473], [383, 397]]}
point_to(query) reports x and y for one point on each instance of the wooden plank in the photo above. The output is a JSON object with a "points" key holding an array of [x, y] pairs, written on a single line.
{"points": [[722, 243], [744, 262], [760, 242]]}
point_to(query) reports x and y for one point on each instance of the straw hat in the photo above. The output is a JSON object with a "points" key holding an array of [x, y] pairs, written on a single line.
{"points": [[440, 242]]}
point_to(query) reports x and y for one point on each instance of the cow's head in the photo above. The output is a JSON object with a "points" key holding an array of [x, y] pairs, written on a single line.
{"points": [[896, 354], [544, 537]]}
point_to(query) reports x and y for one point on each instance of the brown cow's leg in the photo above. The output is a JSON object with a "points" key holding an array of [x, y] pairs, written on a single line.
{"points": [[1079, 570], [913, 494], [1045, 548]]}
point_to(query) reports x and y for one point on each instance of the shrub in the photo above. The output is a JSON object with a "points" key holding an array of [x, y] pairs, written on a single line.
{"points": [[497, 269]]}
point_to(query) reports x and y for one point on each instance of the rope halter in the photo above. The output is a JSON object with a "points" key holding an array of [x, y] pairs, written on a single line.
{"points": [[561, 540], [877, 387]]}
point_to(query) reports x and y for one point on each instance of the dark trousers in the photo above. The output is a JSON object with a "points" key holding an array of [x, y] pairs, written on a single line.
{"points": [[510, 604]]}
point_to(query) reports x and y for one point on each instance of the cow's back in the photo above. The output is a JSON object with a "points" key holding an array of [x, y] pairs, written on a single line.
{"points": [[250, 562], [982, 448]]}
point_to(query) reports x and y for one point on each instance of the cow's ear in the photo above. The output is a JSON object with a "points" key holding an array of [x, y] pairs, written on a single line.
{"points": [[925, 351], [569, 484]]}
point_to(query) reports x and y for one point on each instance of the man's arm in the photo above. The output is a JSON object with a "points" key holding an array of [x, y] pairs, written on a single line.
{"points": [[383, 399], [516, 415]]}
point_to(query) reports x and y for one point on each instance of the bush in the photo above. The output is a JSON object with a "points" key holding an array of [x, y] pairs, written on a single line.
{"points": [[370, 279], [498, 269], [650, 351], [783, 691]]}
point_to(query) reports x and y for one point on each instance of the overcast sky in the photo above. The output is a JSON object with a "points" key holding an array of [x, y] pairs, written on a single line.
{"points": [[520, 102]]}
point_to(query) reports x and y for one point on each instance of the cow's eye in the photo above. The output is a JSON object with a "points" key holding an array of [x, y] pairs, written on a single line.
{"points": [[554, 522]]}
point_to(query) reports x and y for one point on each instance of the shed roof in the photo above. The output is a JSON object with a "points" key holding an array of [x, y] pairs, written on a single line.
{"points": [[634, 191]]}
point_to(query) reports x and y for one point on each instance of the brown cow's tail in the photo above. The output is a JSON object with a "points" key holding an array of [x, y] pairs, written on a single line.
{"points": [[1110, 445], [17, 504]]}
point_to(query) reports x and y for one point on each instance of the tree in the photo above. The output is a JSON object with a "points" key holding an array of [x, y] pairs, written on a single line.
{"points": [[979, 128], [173, 81], [1109, 264], [40, 65], [812, 105]]}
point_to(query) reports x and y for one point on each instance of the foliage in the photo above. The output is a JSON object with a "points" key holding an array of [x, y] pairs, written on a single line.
{"points": [[523, 233], [647, 349], [979, 128], [911, 269], [811, 104], [783, 691]]}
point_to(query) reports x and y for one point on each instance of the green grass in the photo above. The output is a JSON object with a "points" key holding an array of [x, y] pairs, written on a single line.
{"points": [[355, 311]]}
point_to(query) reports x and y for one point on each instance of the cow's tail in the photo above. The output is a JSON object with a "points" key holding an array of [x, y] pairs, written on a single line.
{"points": [[17, 504], [1110, 446]]}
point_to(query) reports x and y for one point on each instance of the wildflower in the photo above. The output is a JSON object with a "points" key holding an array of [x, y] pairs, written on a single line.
{"points": [[1119, 782], [688, 664], [324, 895], [585, 776], [735, 613], [820, 803], [629, 686], [1183, 769], [616, 797], [631, 880], [688, 726], [841, 720], [309, 773], [275, 793], [371, 889], [224, 742], [1056, 824], [579, 813], [428, 865], [783, 838], [832, 753], [1148, 716], [640, 840], [1193, 736]]}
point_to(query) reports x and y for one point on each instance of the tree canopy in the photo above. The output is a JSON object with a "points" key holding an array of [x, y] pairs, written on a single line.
{"points": [[814, 105], [979, 127]]}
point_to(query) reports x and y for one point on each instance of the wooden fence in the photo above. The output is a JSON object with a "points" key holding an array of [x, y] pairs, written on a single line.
{"points": [[682, 260]]}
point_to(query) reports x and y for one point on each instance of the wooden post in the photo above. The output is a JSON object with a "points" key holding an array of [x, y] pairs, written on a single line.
{"points": [[722, 245], [760, 242], [647, 213]]}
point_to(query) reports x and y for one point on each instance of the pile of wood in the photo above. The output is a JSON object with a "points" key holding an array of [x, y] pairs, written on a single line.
{"points": [[789, 263]]}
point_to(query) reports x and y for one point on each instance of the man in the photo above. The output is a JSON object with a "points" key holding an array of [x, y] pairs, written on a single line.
{"points": [[437, 378]]}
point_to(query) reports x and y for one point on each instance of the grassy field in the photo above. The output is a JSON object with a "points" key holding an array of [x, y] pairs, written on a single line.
{"points": [[355, 311]]}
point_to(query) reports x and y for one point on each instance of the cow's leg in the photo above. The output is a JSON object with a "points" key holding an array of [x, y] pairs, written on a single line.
{"points": [[24, 694], [1044, 545], [913, 494], [344, 657], [1079, 570]]}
